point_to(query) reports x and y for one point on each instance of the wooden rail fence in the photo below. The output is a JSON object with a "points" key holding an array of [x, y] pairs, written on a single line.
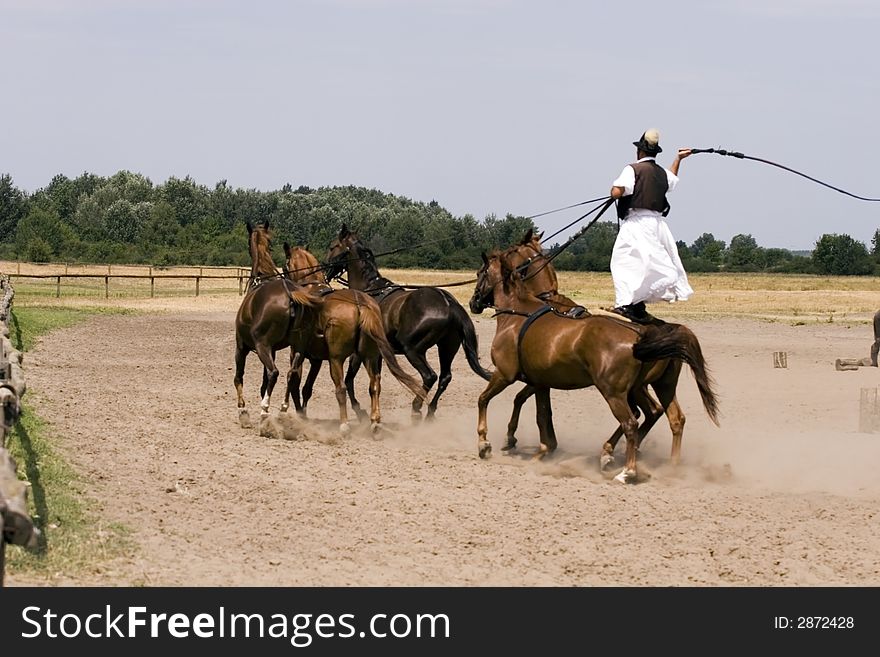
{"points": [[16, 526], [197, 278]]}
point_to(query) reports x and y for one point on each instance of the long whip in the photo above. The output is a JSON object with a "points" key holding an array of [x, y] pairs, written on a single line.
{"points": [[741, 156]]}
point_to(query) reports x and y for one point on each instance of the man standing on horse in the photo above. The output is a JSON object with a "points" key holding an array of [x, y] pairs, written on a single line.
{"points": [[645, 264]]}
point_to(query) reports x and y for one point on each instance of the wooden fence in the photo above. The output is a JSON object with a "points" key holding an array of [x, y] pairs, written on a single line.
{"points": [[106, 278], [74, 279], [16, 525]]}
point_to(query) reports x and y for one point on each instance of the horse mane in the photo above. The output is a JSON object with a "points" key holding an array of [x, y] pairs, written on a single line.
{"points": [[365, 256], [262, 263], [545, 266], [303, 266]]}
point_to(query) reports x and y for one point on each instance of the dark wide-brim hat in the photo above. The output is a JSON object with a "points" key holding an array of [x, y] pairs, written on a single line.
{"points": [[649, 142]]}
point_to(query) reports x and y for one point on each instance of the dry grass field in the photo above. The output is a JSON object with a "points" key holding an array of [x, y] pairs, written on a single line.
{"points": [[778, 297]]}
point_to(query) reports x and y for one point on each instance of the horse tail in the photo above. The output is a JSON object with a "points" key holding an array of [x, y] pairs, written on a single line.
{"points": [[301, 297], [679, 342], [468, 338], [370, 322]]}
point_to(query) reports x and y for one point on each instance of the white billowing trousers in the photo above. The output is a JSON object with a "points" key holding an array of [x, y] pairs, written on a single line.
{"points": [[645, 264]]}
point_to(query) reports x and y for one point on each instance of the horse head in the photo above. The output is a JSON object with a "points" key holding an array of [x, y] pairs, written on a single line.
{"points": [[490, 275], [302, 265], [343, 249], [532, 266]]}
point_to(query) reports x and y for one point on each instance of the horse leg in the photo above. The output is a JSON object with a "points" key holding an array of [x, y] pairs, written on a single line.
{"points": [[513, 424], [294, 376], [653, 412], [336, 373], [314, 368], [676, 424], [544, 414], [606, 460], [623, 413], [496, 385], [417, 359], [354, 364], [374, 371], [270, 376], [636, 401], [665, 390], [446, 351], [241, 354]]}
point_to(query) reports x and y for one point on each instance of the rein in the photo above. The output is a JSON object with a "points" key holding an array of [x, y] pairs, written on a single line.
{"points": [[567, 207], [558, 250], [369, 257], [741, 156], [254, 281]]}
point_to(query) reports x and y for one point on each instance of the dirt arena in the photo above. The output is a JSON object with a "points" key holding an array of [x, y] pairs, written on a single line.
{"points": [[785, 492]]}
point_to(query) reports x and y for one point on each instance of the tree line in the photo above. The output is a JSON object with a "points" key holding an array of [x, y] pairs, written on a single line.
{"points": [[125, 218]]}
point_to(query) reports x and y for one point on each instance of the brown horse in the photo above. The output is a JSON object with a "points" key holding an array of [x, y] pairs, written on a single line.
{"points": [[415, 319], [266, 317], [303, 268], [538, 275], [347, 323], [565, 353], [875, 347]]}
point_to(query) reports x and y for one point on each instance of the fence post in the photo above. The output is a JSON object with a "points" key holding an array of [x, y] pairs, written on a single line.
{"points": [[58, 288], [869, 411], [239, 285], [198, 278], [107, 286], [15, 524], [152, 285]]}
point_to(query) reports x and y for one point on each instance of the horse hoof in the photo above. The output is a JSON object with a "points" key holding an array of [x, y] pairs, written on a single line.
{"points": [[345, 428], [510, 446], [284, 408], [244, 419], [361, 414], [375, 427], [626, 477], [606, 461], [485, 450]]}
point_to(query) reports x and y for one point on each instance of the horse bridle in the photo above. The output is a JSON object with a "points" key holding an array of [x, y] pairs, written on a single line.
{"points": [[522, 270], [481, 281], [337, 261]]}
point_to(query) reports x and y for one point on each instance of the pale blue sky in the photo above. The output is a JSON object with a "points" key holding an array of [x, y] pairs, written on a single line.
{"points": [[487, 106]]}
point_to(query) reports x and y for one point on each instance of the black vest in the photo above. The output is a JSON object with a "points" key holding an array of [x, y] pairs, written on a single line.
{"points": [[649, 191]]}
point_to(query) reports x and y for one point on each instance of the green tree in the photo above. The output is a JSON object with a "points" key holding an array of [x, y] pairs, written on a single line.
{"points": [[39, 236], [841, 255], [743, 254], [13, 208], [709, 249], [189, 200]]}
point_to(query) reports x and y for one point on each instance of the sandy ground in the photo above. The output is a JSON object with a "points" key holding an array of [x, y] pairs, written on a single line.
{"points": [[785, 492]]}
